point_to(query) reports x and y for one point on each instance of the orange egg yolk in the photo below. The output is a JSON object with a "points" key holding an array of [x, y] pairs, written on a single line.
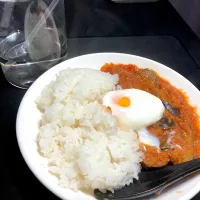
{"points": [[124, 102]]}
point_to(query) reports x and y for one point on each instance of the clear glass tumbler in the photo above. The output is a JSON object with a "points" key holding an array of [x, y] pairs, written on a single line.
{"points": [[32, 38]]}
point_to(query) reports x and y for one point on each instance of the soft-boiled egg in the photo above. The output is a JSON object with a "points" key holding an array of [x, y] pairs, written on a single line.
{"points": [[135, 109]]}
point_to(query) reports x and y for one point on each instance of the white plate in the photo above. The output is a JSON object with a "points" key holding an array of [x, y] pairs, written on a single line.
{"points": [[28, 119]]}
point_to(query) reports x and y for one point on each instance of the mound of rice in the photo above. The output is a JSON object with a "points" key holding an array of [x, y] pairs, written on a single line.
{"points": [[82, 140]]}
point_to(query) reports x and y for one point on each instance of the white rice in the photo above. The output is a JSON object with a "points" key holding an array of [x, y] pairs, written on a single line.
{"points": [[81, 139]]}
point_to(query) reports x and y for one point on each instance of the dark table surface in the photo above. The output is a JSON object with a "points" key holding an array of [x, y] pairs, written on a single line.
{"points": [[153, 30]]}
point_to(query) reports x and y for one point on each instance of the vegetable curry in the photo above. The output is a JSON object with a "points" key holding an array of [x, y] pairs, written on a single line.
{"points": [[179, 128]]}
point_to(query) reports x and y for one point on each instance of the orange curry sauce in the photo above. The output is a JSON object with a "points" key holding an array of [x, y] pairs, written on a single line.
{"points": [[180, 142]]}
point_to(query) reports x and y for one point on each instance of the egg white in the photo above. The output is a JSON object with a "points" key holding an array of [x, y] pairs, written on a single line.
{"points": [[145, 109], [147, 138]]}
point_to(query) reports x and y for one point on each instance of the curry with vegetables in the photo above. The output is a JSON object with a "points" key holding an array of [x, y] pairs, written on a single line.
{"points": [[179, 128]]}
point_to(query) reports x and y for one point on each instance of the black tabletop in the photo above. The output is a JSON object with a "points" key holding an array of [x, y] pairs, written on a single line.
{"points": [[153, 30]]}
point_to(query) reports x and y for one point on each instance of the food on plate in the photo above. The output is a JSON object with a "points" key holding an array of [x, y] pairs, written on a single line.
{"points": [[135, 109], [178, 130], [99, 126], [80, 136]]}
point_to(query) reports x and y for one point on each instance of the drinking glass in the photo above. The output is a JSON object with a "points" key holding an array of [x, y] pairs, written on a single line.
{"points": [[32, 38]]}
